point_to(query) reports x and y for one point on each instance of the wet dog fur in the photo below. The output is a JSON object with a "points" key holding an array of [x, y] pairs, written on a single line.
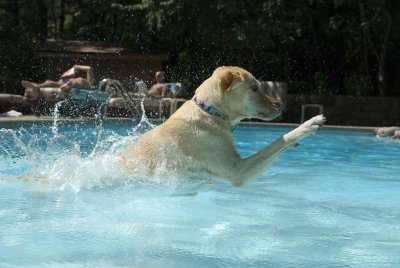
{"points": [[192, 140]]}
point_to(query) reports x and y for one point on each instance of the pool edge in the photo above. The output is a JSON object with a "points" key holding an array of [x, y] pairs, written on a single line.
{"points": [[272, 124]]}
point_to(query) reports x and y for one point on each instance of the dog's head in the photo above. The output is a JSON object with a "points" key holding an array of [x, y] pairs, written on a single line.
{"points": [[238, 94]]}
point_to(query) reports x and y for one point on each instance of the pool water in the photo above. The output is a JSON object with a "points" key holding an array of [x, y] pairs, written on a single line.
{"points": [[331, 202]]}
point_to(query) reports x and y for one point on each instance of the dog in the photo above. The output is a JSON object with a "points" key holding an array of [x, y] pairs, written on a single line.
{"points": [[386, 131], [198, 136]]}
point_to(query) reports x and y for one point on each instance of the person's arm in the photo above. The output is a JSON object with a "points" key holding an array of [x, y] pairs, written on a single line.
{"points": [[164, 90], [87, 69], [68, 74]]}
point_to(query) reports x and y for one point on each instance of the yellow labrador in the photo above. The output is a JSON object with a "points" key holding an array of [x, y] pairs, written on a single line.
{"points": [[198, 138]]}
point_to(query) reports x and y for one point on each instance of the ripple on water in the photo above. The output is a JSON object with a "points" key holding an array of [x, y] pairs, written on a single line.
{"points": [[332, 202]]}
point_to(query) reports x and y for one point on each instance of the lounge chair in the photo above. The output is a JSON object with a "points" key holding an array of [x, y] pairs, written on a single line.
{"points": [[173, 101], [119, 100], [12, 102], [153, 106]]}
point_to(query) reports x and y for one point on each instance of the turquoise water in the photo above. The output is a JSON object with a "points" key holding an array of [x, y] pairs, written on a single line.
{"points": [[331, 202]]}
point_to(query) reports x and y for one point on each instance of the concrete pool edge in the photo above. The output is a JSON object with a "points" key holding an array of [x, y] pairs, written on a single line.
{"points": [[271, 124], [293, 125]]}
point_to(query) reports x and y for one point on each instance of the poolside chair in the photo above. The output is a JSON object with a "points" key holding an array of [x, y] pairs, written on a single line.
{"points": [[153, 106], [123, 100], [43, 100], [304, 107], [12, 102]]}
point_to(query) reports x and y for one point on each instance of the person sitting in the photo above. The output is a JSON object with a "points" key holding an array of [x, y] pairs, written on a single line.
{"points": [[160, 89], [79, 76]]}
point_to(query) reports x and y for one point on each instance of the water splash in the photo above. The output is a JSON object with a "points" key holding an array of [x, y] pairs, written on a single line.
{"points": [[56, 114], [99, 116], [144, 123], [76, 155]]}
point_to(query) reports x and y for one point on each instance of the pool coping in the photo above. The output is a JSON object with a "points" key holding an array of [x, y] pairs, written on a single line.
{"points": [[32, 118]]}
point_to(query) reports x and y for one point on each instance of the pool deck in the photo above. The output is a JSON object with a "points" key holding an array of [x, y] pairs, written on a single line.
{"points": [[31, 118]]}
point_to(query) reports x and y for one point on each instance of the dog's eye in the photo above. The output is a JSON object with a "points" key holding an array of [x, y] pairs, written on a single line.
{"points": [[254, 88]]}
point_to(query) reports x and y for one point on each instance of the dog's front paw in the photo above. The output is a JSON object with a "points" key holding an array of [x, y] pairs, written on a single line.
{"points": [[307, 128], [314, 123]]}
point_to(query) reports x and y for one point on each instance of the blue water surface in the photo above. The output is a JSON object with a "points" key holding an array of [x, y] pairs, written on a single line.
{"points": [[333, 201]]}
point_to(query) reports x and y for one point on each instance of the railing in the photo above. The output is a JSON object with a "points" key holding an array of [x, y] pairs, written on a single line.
{"points": [[305, 106], [173, 105]]}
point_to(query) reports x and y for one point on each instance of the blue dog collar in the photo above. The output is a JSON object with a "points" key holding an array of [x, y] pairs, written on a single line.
{"points": [[208, 108], [211, 110]]}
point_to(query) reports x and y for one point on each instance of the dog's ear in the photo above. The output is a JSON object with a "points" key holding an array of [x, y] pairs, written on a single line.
{"points": [[229, 79]]}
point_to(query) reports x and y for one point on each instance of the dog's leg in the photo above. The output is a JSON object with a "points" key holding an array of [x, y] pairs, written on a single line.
{"points": [[248, 168]]}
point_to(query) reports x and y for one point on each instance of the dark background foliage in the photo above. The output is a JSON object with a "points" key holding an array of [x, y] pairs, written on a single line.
{"points": [[347, 47]]}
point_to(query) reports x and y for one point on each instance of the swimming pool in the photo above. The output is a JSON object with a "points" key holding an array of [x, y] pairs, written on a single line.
{"points": [[331, 202]]}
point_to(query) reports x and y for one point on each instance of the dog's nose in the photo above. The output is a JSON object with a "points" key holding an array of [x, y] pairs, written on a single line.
{"points": [[278, 105]]}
